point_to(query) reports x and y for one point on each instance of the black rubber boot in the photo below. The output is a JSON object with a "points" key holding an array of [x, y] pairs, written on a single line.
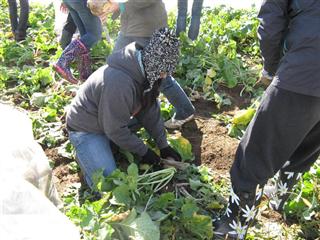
{"points": [[240, 213]]}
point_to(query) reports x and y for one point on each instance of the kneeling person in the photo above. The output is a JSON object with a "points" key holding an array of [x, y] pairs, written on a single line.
{"points": [[126, 88]]}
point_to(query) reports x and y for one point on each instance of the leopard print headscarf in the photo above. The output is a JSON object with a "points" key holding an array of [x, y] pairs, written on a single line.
{"points": [[160, 55]]}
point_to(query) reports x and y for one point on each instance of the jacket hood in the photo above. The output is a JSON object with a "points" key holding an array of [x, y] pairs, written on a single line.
{"points": [[126, 60]]}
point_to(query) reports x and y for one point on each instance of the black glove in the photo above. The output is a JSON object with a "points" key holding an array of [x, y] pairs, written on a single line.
{"points": [[150, 158], [169, 152]]}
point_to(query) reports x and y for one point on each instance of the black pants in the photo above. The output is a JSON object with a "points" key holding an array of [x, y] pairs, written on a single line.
{"points": [[285, 128], [68, 30], [19, 24]]}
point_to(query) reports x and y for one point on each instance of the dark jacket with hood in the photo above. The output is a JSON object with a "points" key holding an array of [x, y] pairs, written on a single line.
{"points": [[106, 102], [289, 36]]}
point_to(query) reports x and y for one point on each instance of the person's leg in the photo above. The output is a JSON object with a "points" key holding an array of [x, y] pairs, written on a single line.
{"points": [[90, 26], [68, 30], [282, 122], [13, 15], [179, 99], [195, 19], [77, 49], [182, 16], [300, 162], [23, 20], [94, 153]]}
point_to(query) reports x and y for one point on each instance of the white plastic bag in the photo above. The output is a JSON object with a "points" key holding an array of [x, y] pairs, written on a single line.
{"points": [[25, 214], [21, 156], [26, 185]]}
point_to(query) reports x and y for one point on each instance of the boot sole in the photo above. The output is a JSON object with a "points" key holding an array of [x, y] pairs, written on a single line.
{"points": [[63, 74]]}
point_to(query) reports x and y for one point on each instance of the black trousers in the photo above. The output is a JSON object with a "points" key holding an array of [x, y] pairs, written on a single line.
{"points": [[285, 128], [19, 23]]}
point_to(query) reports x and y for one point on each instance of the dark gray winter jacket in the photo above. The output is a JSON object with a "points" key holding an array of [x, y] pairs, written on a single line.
{"points": [[289, 36], [106, 102], [142, 17]]}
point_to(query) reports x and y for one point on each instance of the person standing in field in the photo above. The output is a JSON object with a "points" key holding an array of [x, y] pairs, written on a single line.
{"points": [[138, 20], [195, 18], [90, 30], [19, 23], [284, 135], [124, 89]]}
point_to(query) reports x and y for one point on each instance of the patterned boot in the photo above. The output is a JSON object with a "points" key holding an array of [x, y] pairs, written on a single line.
{"points": [[70, 53], [240, 213], [84, 66], [280, 193]]}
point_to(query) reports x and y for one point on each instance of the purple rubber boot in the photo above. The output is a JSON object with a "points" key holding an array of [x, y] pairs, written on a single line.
{"points": [[73, 51]]}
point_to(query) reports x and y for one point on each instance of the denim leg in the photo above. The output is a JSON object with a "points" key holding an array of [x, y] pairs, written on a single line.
{"points": [[123, 41], [195, 19], [88, 24], [24, 15], [177, 97], [182, 16], [68, 30], [93, 153], [13, 14]]}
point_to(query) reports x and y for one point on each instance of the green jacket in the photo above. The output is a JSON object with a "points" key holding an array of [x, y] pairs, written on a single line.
{"points": [[141, 18]]}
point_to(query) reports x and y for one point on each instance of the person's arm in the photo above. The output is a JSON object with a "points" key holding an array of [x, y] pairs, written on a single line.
{"points": [[271, 32], [114, 115], [151, 120]]}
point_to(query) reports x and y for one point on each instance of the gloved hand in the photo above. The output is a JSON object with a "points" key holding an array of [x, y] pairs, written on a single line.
{"points": [[265, 78], [150, 158], [169, 152]]}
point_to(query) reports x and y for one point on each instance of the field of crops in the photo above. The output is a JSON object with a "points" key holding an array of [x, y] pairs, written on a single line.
{"points": [[219, 73]]}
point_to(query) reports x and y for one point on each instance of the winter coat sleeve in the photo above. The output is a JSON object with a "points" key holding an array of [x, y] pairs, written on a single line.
{"points": [[271, 32], [114, 115], [151, 120]]}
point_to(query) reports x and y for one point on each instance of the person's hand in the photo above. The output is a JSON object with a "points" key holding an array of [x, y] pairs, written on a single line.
{"points": [[63, 8], [150, 158], [169, 152], [265, 78]]}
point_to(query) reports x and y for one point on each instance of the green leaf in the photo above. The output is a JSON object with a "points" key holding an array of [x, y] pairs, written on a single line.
{"points": [[133, 174], [141, 228], [133, 170], [182, 146], [189, 209], [38, 99], [121, 195], [128, 155], [163, 201], [105, 232], [200, 226]]}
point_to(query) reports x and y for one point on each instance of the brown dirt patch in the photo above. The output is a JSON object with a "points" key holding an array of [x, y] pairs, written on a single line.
{"points": [[64, 177], [211, 144]]}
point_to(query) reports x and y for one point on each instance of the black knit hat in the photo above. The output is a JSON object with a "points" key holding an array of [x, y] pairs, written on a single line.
{"points": [[161, 55]]}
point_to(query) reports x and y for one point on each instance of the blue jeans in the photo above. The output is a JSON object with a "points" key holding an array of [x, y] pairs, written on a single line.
{"points": [[169, 86], [88, 24], [195, 18], [93, 153]]}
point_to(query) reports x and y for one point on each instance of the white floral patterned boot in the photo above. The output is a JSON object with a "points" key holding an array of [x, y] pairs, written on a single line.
{"points": [[281, 191], [240, 213]]}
